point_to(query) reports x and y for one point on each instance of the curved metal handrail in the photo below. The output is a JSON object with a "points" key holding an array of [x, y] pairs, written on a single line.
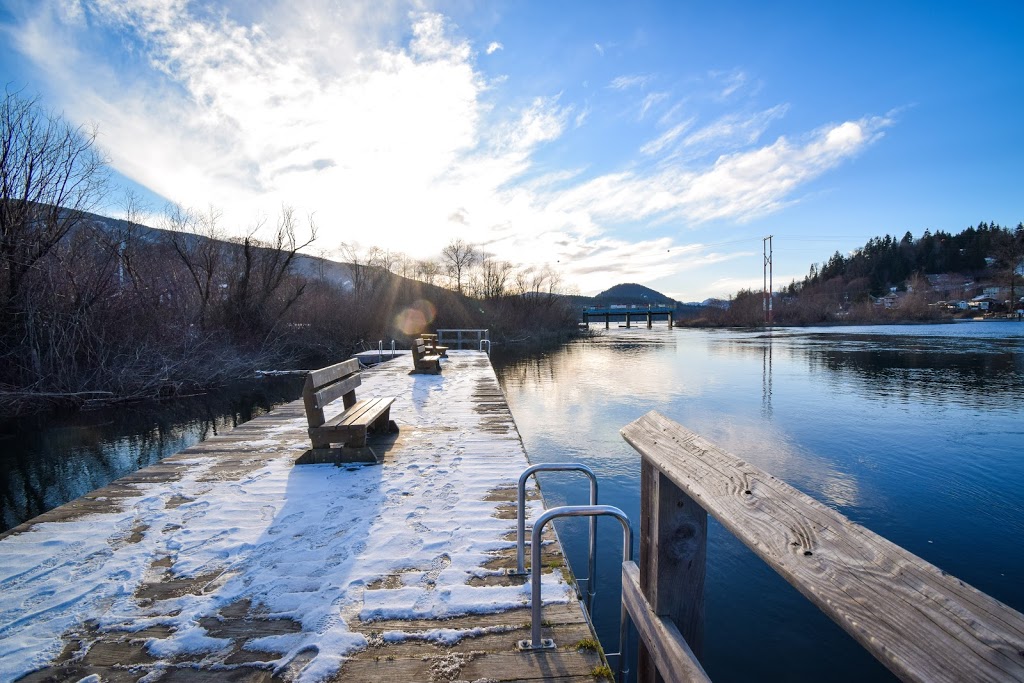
{"points": [[488, 345], [521, 521], [592, 511]]}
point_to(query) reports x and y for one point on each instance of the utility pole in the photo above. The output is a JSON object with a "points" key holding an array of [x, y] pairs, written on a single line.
{"points": [[766, 287]]}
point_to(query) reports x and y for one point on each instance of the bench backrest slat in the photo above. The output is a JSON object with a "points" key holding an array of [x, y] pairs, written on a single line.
{"points": [[339, 388], [332, 372], [419, 349], [327, 384]]}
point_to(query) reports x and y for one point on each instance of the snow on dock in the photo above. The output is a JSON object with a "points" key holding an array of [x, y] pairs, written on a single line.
{"points": [[229, 562]]}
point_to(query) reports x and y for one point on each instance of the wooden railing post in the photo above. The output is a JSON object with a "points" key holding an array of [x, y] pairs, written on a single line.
{"points": [[673, 549]]}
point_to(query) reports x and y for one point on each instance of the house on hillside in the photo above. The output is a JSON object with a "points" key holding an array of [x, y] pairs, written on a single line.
{"points": [[982, 303], [890, 300], [993, 292]]}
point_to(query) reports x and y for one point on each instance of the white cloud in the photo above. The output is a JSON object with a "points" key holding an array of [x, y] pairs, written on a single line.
{"points": [[650, 100], [630, 81], [737, 186], [599, 49], [665, 139], [494, 47], [733, 130], [731, 81], [400, 144]]}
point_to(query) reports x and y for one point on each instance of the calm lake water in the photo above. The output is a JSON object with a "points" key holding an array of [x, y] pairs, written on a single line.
{"points": [[916, 432], [48, 460]]}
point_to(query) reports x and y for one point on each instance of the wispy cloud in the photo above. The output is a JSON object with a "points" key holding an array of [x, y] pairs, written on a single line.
{"points": [[735, 129], [630, 81], [737, 186], [730, 82], [650, 100], [666, 139], [494, 47]]}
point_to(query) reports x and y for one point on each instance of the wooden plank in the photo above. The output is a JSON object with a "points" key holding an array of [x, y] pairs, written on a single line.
{"points": [[673, 547], [318, 378], [672, 656], [920, 622], [569, 613], [353, 415], [471, 666], [367, 411], [339, 388], [333, 372]]}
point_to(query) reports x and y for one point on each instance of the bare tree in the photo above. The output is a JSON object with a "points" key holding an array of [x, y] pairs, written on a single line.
{"points": [[51, 175], [383, 259], [403, 264], [428, 271], [358, 266], [199, 242], [458, 256], [494, 277], [257, 296]]}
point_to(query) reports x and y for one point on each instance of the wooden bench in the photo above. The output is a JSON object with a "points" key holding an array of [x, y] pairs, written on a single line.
{"points": [[424, 362], [430, 340], [350, 427]]}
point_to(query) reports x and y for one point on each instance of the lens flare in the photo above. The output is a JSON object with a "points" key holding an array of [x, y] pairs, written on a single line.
{"points": [[416, 318]]}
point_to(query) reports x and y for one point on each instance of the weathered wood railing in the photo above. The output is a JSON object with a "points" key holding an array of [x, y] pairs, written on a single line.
{"points": [[457, 338], [920, 622]]}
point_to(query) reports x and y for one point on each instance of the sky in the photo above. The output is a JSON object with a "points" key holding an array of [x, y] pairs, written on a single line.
{"points": [[649, 142]]}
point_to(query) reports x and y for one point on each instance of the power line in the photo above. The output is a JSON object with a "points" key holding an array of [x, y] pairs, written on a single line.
{"points": [[766, 291]]}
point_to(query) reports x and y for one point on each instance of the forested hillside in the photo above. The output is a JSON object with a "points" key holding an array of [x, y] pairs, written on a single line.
{"points": [[890, 278]]}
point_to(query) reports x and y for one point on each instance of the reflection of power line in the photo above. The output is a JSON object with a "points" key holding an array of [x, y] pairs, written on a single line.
{"points": [[766, 291], [766, 378]]}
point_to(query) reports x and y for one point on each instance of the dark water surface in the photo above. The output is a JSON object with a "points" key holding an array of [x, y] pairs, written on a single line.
{"points": [[916, 432], [50, 459]]}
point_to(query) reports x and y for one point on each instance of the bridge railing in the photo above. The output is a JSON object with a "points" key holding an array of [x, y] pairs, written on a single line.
{"points": [[920, 622]]}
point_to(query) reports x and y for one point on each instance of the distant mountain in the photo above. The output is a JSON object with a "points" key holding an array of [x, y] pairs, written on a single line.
{"points": [[632, 293]]}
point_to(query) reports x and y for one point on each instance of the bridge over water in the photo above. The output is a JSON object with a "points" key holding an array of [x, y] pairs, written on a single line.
{"points": [[630, 313]]}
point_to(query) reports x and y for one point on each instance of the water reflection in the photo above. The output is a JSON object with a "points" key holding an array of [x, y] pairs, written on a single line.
{"points": [[909, 431], [766, 379], [51, 459]]}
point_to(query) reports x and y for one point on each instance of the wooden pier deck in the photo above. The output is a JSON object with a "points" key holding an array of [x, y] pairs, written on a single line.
{"points": [[227, 562]]}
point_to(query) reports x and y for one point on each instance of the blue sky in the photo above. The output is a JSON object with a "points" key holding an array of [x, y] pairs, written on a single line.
{"points": [[652, 142]]}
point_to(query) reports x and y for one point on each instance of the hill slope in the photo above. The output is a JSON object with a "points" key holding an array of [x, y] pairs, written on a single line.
{"points": [[632, 293]]}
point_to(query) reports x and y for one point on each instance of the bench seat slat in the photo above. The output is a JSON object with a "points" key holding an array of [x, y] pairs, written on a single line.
{"points": [[360, 415]]}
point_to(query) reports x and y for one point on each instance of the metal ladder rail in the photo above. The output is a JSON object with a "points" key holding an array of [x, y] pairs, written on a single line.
{"points": [[536, 643], [380, 350], [488, 342], [521, 522]]}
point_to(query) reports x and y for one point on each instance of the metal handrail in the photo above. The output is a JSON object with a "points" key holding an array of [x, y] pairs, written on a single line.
{"points": [[380, 350], [488, 341], [521, 521], [592, 511]]}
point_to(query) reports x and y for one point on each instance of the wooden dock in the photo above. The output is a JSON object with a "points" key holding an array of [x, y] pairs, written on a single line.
{"points": [[228, 562]]}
